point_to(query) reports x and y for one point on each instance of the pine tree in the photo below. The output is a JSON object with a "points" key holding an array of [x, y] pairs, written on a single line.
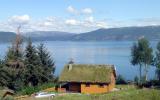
{"points": [[14, 64], [47, 63], [33, 65], [3, 74]]}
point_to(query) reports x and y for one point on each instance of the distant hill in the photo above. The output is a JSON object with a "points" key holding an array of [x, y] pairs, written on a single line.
{"points": [[125, 33], [7, 36], [49, 35], [113, 34]]}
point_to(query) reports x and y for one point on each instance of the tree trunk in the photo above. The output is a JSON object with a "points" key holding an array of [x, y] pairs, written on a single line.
{"points": [[145, 73], [140, 74], [30, 84]]}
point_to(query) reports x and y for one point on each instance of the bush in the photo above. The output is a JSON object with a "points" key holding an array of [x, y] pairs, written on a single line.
{"points": [[151, 83], [136, 80], [33, 89], [120, 80], [29, 90]]}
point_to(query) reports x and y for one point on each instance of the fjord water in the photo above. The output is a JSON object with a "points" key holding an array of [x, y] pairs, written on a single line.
{"points": [[117, 53]]}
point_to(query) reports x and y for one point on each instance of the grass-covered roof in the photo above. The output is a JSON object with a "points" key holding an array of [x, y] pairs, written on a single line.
{"points": [[86, 73]]}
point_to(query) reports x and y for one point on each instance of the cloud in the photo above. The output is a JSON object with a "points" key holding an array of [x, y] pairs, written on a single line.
{"points": [[71, 22], [87, 11], [72, 10], [147, 21], [52, 23], [89, 19], [101, 25], [22, 19]]}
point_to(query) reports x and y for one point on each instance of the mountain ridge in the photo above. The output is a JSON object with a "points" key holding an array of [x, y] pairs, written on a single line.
{"points": [[115, 34], [123, 33], [7, 36]]}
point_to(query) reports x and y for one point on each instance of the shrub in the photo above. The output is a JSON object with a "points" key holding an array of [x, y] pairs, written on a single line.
{"points": [[29, 90], [136, 79], [152, 83], [120, 80], [33, 89]]}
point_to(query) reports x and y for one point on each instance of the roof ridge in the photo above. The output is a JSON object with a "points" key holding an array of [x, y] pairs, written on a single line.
{"points": [[94, 64]]}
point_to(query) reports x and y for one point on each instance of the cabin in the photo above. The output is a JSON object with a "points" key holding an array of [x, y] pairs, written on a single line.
{"points": [[7, 92], [86, 78]]}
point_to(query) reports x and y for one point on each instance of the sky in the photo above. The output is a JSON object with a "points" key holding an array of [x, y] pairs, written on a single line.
{"points": [[77, 16]]}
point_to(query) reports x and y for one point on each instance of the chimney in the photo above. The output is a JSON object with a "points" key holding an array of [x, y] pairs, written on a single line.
{"points": [[70, 67]]}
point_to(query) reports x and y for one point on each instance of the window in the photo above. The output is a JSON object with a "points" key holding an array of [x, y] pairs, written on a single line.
{"points": [[101, 85], [87, 85]]}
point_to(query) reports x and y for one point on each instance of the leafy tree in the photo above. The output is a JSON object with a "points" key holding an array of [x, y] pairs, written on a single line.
{"points": [[142, 55], [137, 59], [147, 55], [158, 73], [157, 61], [32, 64], [47, 63]]}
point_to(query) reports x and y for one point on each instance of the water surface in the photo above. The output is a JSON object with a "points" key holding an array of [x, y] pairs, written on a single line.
{"points": [[110, 52]]}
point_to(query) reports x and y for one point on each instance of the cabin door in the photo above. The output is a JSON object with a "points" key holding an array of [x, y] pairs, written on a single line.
{"points": [[75, 87]]}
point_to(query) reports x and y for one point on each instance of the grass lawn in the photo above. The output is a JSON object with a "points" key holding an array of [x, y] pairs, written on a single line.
{"points": [[127, 93]]}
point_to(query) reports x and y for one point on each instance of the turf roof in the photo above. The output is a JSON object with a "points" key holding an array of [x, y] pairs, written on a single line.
{"points": [[86, 73]]}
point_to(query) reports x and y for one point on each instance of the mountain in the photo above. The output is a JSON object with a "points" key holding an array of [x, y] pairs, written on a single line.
{"points": [[114, 34], [124, 33], [49, 35], [7, 36]]}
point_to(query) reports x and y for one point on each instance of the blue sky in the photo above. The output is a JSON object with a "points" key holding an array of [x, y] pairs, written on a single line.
{"points": [[77, 15]]}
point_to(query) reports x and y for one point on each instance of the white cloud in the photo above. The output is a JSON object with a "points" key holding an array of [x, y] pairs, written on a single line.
{"points": [[101, 24], [72, 10], [87, 11], [147, 21], [23, 19], [71, 22], [48, 24], [89, 19], [51, 24]]}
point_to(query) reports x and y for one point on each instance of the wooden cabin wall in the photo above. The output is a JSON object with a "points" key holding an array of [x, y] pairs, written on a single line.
{"points": [[93, 88], [112, 84], [96, 88]]}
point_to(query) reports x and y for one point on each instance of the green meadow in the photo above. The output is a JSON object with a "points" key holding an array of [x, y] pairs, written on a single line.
{"points": [[127, 92]]}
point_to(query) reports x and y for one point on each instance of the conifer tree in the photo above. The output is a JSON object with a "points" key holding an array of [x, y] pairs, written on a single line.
{"points": [[3, 74], [33, 65], [47, 63], [14, 63]]}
